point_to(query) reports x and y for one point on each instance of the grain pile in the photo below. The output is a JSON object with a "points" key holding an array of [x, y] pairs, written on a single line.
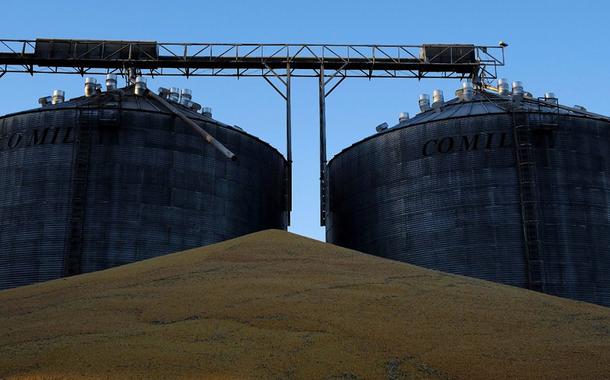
{"points": [[277, 305]]}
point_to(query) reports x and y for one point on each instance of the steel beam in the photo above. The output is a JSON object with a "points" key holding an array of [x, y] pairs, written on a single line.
{"points": [[221, 59], [206, 136], [288, 143], [323, 192]]}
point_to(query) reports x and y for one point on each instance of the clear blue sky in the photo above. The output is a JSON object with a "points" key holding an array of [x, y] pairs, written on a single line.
{"points": [[554, 45]]}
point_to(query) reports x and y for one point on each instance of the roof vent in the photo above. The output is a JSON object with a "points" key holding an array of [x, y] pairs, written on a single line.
{"points": [[90, 86], [174, 94], [437, 98], [381, 127], [206, 111], [551, 97], [185, 96], [424, 102], [403, 116], [503, 87], [58, 97], [580, 108], [140, 86], [44, 101], [194, 106], [467, 91], [111, 84], [163, 92], [518, 88]]}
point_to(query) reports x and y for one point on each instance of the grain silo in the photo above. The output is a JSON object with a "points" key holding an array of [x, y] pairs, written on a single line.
{"points": [[496, 185], [122, 175]]}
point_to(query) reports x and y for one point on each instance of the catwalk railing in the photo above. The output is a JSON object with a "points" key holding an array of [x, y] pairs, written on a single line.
{"points": [[86, 57]]}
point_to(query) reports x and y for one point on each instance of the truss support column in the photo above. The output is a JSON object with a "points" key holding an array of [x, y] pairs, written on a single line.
{"points": [[288, 145], [323, 185]]}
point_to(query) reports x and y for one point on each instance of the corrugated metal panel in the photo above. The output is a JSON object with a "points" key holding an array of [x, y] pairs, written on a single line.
{"points": [[35, 187], [153, 187], [422, 193]]}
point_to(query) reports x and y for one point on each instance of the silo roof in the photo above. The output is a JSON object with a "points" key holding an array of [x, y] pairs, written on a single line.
{"points": [[484, 103]]}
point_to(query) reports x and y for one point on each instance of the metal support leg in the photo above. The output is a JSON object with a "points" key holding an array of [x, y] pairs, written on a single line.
{"points": [[288, 117], [285, 81], [323, 192], [323, 94], [288, 146]]}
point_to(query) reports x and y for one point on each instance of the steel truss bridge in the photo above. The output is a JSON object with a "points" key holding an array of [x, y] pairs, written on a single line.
{"points": [[277, 64]]}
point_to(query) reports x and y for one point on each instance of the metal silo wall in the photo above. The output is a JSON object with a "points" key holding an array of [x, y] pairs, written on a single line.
{"points": [[35, 167], [151, 186], [459, 211], [574, 190], [155, 188], [455, 210]]}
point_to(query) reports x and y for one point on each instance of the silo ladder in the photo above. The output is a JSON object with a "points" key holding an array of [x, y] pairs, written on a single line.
{"points": [[87, 121], [528, 193]]}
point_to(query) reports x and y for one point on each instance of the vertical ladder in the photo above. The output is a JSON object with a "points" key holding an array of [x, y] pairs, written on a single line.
{"points": [[551, 121], [528, 192], [87, 122]]}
